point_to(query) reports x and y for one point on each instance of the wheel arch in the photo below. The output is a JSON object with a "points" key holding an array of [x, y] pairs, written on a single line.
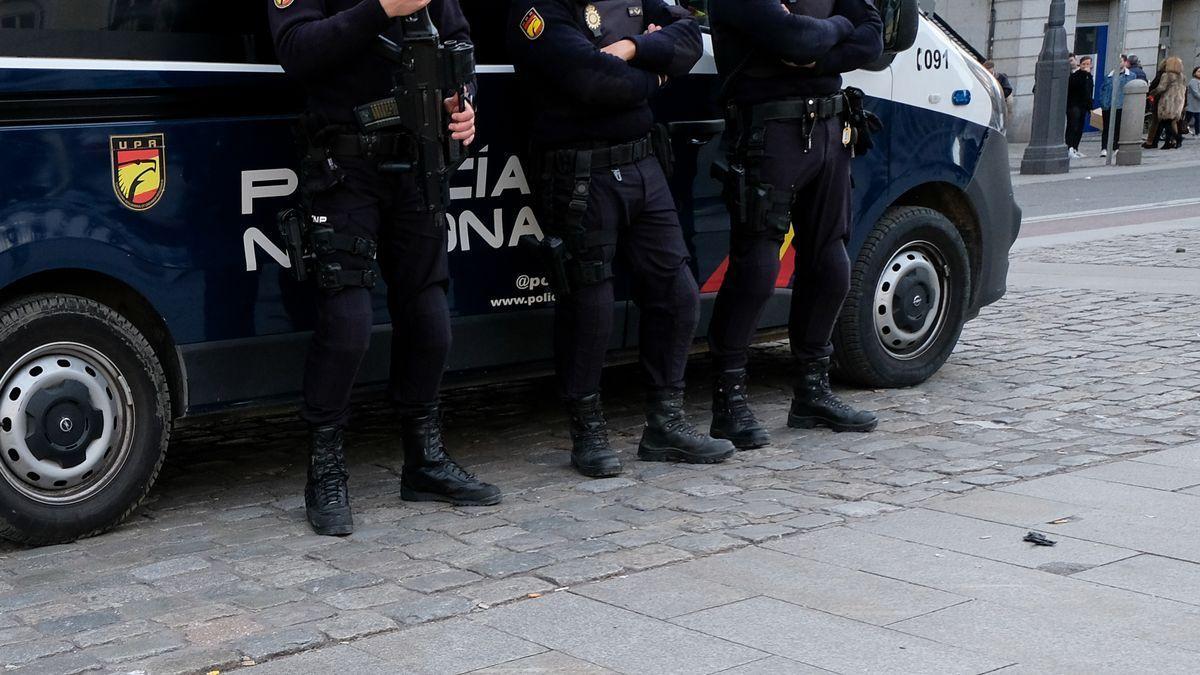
{"points": [[124, 299], [952, 202]]}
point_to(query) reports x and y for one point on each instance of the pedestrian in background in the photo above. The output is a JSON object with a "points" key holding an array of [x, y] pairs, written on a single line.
{"points": [[1005, 85], [1171, 95], [1193, 101], [1155, 132], [1079, 104], [1135, 67], [1118, 79]]}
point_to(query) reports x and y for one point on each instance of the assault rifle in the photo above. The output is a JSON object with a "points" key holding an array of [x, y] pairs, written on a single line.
{"points": [[428, 71]]}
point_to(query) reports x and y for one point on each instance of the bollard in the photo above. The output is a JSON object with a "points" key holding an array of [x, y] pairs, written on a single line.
{"points": [[1133, 124]]}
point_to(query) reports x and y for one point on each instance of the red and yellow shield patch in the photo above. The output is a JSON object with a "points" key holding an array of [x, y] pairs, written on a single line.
{"points": [[283, 4], [533, 25], [139, 166]]}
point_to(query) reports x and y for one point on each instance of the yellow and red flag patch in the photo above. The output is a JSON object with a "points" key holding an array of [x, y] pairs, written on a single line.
{"points": [[283, 4], [139, 167], [533, 25]]}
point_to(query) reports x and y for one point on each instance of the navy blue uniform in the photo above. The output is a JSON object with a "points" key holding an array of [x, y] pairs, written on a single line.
{"points": [[327, 46], [769, 55], [581, 99]]}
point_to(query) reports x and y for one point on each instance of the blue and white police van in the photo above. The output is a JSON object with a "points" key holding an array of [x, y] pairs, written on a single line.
{"points": [[148, 144]]}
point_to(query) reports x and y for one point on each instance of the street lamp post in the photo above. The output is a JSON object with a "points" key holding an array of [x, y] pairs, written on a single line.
{"points": [[1047, 151]]}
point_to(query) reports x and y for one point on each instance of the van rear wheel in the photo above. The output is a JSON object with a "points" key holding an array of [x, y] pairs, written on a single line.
{"points": [[84, 418], [909, 293]]}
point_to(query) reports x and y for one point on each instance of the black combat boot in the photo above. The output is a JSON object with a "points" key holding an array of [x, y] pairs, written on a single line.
{"points": [[326, 497], [429, 475], [669, 437], [815, 403], [591, 454], [732, 417]]}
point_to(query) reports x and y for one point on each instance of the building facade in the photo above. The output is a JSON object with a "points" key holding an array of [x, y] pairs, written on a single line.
{"points": [[1010, 33]]}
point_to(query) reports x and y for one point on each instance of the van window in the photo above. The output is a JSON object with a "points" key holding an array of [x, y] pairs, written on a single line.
{"points": [[226, 31]]}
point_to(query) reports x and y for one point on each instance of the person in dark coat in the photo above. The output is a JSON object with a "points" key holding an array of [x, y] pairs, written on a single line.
{"points": [[1080, 88]]}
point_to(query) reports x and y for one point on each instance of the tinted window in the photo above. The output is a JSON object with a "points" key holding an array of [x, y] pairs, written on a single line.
{"points": [[154, 30]]}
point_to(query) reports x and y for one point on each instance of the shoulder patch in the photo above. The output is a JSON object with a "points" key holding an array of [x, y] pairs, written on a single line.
{"points": [[533, 25], [283, 4], [635, 11]]}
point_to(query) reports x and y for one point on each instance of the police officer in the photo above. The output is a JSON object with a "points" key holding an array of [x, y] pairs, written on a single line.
{"points": [[790, 137], [327, 45], [590, 69]]}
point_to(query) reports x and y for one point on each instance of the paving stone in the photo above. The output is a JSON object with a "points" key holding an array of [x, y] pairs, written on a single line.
{"points": [[603, 485], [1143, 474], [1150, 574], [662, 593], [70, 663], [142, 647], [506, 564], [989, 479], [705, 543], [490, 593], [294, 613], [426, 608], [334, 659], [221, 631], [760, 533], [961, 466], [577, 571], [809, 521], [645, 557], [547, 663], [24, 652], [354, 625], [455, 646], [375, 596], [909, 478], [615, 638], [1032, 470], [111, 633], [863, 509], [275, 643], [78, 623], [832, 642], [169, 568], [441, 581]]}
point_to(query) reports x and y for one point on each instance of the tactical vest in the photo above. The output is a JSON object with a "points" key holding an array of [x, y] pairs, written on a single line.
{"points": [[609, 21]]}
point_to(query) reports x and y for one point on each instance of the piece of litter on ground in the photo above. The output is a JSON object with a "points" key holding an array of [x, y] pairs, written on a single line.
{"points": [[1181, 250], [1038, 539], [1060, 521], [986, 536], [982, 424]]}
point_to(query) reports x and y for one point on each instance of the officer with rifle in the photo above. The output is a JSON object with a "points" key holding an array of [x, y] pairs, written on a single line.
{"points": [[389, 116], [589, 70], [791, 132]]}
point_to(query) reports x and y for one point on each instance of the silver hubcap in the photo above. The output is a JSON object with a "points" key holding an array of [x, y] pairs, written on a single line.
{"points": [[911, 299], [66, 423]]}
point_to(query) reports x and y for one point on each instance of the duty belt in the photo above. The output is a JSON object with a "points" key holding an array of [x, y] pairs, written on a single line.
{"points": [[608, 156], [372, 145], [798, 108]]}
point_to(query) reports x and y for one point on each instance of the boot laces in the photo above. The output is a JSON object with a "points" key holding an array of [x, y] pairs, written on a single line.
{"points": [[331, 481], [826, 395], [678, 423], [443, 459], [738, 405]]}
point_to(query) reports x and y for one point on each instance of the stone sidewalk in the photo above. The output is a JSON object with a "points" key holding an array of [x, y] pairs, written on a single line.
{"points": [[900, 551]]}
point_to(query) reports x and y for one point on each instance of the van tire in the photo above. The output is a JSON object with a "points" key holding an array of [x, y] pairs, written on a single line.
{"points": [[921, 251], [83, 366]]}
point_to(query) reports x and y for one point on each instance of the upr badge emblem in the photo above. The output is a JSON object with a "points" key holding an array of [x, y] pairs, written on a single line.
{"points": [[533, 25], [283, 4], [139, 166]]}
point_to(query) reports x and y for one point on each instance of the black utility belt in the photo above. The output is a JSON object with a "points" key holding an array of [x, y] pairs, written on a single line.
{"points": [[606, 156], [390, 145], [812, 108]]}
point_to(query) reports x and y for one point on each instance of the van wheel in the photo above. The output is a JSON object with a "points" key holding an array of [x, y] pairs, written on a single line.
{"points": [[84, 418], [909, 293]]}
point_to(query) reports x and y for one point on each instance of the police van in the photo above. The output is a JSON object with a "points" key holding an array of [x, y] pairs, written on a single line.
{"points": [[148, 144]]}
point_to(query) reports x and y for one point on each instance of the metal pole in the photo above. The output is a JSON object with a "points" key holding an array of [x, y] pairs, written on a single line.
{"points": [[1115, 50], [1047, 150]]}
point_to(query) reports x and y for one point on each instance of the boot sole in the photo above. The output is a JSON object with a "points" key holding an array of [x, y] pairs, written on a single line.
{"points": [[676, 455], [333, 530], [807, 422], [415, 496], [598, 473], [744, 445]]}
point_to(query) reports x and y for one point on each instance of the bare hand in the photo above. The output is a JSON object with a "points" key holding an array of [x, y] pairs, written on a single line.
{"points": [[462, 120], [395, 8], [624, 50], [653, 28]]}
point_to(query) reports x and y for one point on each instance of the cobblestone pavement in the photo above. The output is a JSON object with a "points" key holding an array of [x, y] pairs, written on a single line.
{"points": [[1176, 248], [219, 569]]}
